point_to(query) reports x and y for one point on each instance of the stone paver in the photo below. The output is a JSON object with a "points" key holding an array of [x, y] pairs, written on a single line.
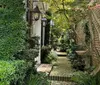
{"points": [[62, 68], [44, 68]]}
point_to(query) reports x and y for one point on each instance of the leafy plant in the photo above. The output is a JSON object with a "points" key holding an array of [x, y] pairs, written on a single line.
{"points": [[29, 54], [77, 62], [12, 45], [64, 43], [38, 79], [87, 33], [12, 28], [44, 53], [82, 78], [51, 57], [31, 51], [12, 71]]}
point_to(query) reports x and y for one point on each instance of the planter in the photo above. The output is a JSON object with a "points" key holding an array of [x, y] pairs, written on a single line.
{"points": [[81, 52], [84, 56]]}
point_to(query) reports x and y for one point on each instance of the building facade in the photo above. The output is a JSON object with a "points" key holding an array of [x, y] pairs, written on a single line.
{"points": [[38, 24]]}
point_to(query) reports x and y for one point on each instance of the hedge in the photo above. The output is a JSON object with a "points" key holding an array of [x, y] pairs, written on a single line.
{"points": [[12, 28], [12, 71]]}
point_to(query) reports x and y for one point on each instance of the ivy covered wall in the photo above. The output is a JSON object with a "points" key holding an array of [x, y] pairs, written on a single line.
{"points": [[12, 28]]}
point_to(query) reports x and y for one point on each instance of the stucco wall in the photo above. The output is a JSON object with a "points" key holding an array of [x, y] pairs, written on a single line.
{"points": [[36, 31]]}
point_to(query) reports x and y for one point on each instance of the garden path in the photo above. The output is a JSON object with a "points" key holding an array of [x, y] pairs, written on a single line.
{"points": [[62, 71]]}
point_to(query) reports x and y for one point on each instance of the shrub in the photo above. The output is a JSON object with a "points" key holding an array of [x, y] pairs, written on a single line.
{"points": [[38, 79], [31, 51], [12, 28], [82, 78], [77, 62], [44, 53], [29, 54], [12, 71], [51, 57], [63, 45]]}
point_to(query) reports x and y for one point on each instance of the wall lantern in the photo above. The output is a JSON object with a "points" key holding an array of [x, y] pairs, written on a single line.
{"points": [[36, 13], [44, 20]]}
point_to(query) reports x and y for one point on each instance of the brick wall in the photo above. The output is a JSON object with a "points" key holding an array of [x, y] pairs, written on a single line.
{"points": [[95, 49]]}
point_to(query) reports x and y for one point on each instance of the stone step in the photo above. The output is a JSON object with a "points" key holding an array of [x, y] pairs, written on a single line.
{"points": [[45, 68], [61, 54], [62, 83], [59, 78]]}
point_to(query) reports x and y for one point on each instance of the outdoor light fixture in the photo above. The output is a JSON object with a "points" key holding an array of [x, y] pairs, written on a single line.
{"points": [[36, 13], [44, 20]]}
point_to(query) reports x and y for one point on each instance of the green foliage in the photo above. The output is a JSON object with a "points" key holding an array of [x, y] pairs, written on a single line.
{"points": [[85, 79], [12, 44], [64, 43], [77, 62], [87, 33], [29, 54], [12, 28], [44, 53], [51, 57], [82, 78], [71, 47], [65, 13], [38, 79], [11, 71], [47, 56]]}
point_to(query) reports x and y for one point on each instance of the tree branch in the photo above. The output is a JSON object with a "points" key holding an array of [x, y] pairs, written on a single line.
{"points": [[63, 4]]}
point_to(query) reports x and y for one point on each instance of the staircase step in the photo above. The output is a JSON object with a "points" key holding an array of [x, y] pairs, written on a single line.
{"points": [[64, 55], [62, 83], [59, 78], [61, 53]]}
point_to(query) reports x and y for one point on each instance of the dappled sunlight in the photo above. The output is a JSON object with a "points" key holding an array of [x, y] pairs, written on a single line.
{"points": [[49, 42]]}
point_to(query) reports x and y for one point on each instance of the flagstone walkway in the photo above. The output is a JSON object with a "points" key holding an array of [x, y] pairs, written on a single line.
{"points": [[62, 70]]}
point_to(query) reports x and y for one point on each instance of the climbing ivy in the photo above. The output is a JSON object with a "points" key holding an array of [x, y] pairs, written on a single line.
{"points": [[12, 28]]}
